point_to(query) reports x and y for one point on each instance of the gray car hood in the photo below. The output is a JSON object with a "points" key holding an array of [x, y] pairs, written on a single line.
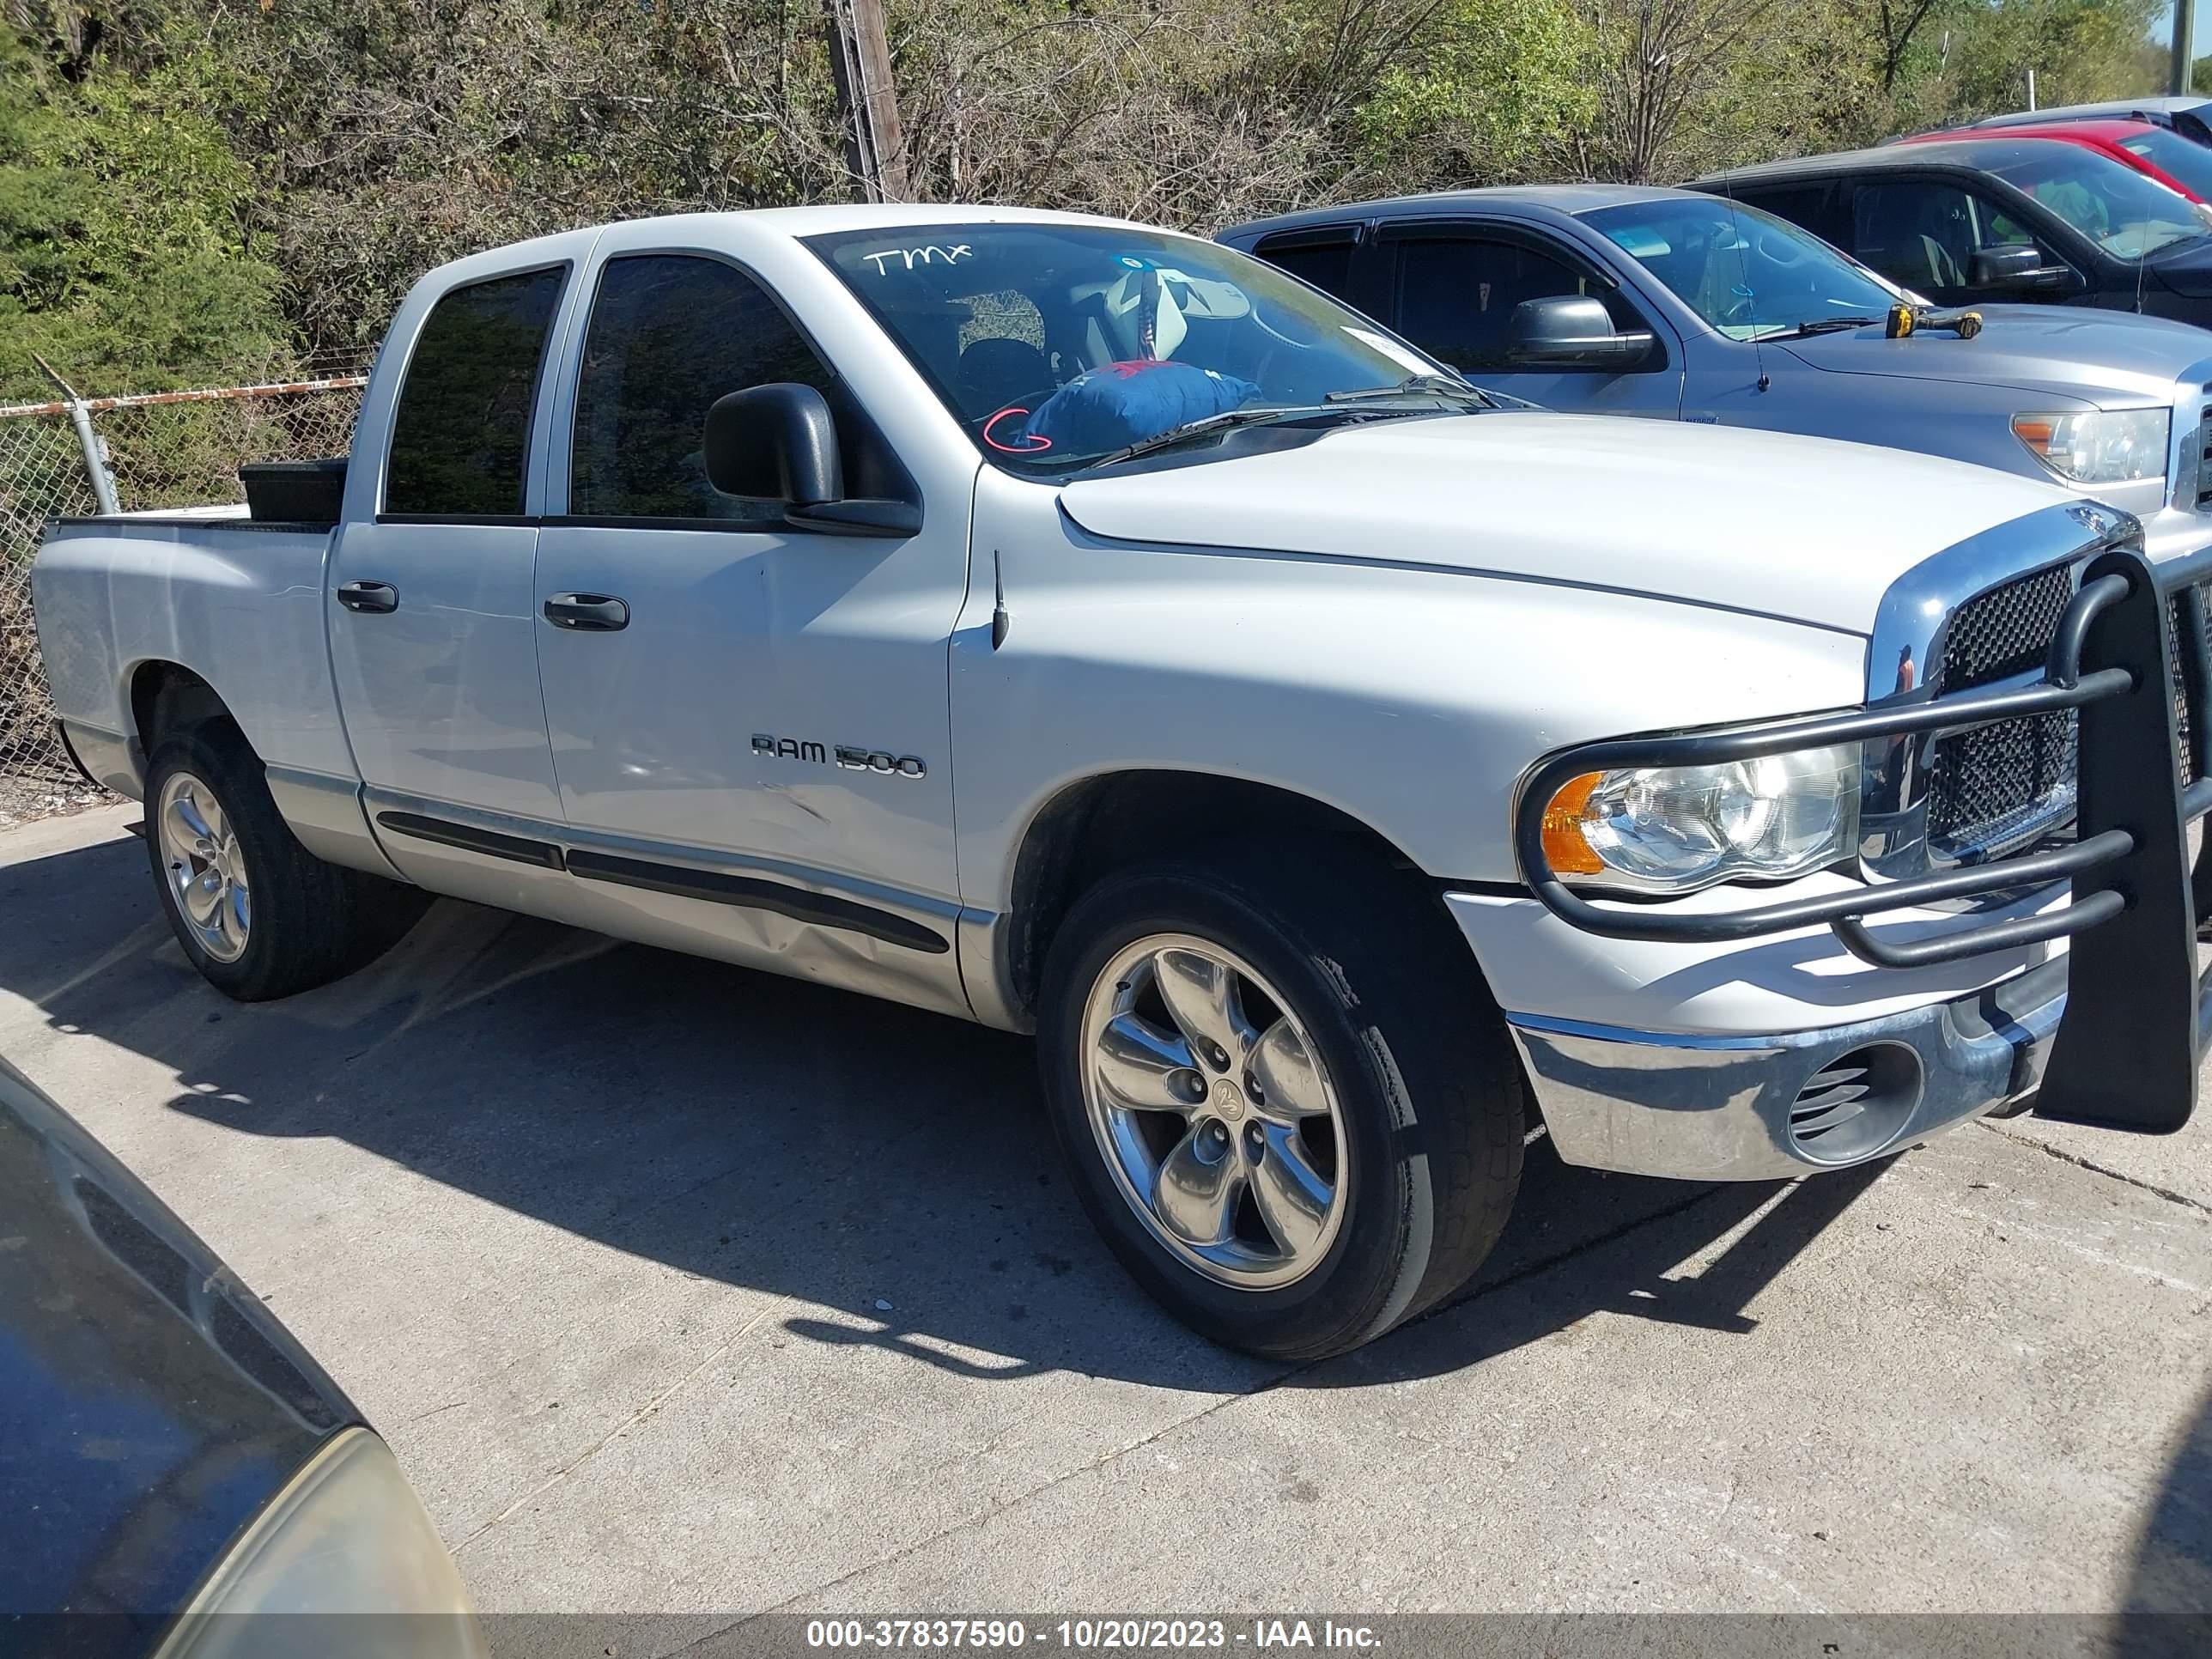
{"points": [[2107, 358]]}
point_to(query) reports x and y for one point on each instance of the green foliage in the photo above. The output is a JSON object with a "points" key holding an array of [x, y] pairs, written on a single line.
{"points": [[127, 241], [195, 189], [1494, 92], [2080, 50]]}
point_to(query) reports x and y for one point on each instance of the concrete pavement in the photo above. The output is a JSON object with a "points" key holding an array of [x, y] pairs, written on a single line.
{"points": [[679, 1289]]}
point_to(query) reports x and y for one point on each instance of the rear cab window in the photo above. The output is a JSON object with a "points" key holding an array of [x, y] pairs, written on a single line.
{"points": [[1321, 256], [460, 433]]}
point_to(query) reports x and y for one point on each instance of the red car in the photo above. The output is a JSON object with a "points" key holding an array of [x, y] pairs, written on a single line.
{"points": [[2179, 162]]}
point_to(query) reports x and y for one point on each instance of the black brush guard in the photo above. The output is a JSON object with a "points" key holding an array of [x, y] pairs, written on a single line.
{"points": [[2125, 1054]]}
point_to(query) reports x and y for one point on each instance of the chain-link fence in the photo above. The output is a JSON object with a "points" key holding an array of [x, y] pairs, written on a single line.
{"points": [[162, 450]]}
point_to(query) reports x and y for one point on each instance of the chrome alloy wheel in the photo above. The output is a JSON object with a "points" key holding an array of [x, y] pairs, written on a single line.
{"points": [[207, 870], [1212, 1107]]}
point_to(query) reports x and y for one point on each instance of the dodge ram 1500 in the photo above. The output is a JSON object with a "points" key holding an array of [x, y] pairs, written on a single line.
{"points": [[1081, 627]]}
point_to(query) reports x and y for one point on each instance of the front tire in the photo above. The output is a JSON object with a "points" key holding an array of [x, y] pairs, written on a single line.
{"points": [[259, 916], [1287, 1103]]}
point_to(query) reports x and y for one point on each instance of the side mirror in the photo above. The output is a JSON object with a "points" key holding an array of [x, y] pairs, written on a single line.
{"points": [[775, 443], [2016, 271], [1571, 331]]}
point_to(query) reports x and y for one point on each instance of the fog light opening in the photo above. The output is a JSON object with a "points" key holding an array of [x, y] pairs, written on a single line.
{"points": [[1855, 1104]]}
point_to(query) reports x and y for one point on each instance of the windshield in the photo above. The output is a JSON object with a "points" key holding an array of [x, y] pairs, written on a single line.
{"points": [[2179, 158], [2123, 211], [1747, 273], [1056, 345]]}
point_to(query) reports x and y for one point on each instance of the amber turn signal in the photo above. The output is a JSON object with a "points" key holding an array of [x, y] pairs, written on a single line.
{"points": [[1564, 849]]}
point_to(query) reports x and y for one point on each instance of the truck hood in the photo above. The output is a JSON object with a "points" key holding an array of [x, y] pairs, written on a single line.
{"points": [[2107, 358], [1803, 528]]}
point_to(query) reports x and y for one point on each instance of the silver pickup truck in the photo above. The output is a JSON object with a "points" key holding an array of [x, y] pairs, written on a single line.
{"points": [[1084, 628]]}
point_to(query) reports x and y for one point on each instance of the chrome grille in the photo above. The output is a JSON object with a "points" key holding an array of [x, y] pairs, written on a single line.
{"points": [[1990, 788], [2200, 441], [2177, 623], [1986, 786]]}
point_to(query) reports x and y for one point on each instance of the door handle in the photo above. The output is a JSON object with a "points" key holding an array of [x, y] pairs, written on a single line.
{"points": [[587, 613], [372, 598]]}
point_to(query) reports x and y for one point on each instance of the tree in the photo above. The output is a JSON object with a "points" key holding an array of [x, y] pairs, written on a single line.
{"points": [[1491, 90], [125, 242]]}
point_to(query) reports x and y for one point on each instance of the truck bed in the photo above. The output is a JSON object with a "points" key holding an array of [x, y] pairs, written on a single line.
{"points": [[237, 602]]}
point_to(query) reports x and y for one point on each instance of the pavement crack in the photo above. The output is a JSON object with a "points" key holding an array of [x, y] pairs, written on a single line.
{"points": [[985, 1514], [2095, 1168], [635, 1417]]}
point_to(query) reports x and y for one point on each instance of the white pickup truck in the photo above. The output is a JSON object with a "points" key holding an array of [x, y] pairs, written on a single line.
{"points": [[1080, 628]]}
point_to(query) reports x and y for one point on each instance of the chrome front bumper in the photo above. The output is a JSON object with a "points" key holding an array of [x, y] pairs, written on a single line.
{"points": [[1754, 1108]]}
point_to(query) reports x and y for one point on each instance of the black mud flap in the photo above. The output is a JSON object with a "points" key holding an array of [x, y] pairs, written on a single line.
{"points": [[2126, 1055]]}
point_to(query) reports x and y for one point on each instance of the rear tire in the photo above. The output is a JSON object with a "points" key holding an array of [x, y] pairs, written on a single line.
{"points": [[1371, 1082], [258, 914]]}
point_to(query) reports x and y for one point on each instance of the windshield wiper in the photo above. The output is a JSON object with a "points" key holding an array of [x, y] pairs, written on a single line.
{"points": [[1351, 404], [1821, 326], [1257, 415], [1417, 386]]}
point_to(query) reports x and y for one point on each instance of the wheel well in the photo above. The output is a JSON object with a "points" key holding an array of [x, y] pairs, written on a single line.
{"points": [[1101, 824], [166, 696]]}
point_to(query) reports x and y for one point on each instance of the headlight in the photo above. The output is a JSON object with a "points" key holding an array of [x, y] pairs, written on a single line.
{"points": [[2112, 446], [1669, 830], [347, 1536]]}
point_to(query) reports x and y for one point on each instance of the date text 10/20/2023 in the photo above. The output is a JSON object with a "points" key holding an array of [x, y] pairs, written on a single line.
{"points": [[1083, 1635]]}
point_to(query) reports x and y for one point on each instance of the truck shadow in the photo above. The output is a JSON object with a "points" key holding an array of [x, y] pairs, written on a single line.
{"points": [[2173, 1569], [815, 1145]]}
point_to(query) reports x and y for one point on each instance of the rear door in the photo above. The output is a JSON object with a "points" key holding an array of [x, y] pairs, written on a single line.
{"points": [[431, 602]]}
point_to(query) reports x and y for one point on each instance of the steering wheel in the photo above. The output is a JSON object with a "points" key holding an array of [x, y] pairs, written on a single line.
{"points": [[1779, 250], [1269, 329]]}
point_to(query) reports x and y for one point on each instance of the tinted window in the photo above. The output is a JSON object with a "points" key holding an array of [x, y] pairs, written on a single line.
{"points": [[2182, 159], [1456, 295], [1326, 264], [460, 436], [2125, 212], [670, 334], [1924, 233], [1813, 206]]}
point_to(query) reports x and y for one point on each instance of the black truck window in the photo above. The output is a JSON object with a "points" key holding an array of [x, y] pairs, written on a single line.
{"points": [[460, 436], [670, 334], [1456, 295], [1321, 258]]}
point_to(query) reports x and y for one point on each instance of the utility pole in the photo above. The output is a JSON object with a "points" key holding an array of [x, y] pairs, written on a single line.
{"points": [[867, 104], [2185, 56]]}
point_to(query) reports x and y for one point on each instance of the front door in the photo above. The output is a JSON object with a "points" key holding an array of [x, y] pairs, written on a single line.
{"points": [[762, 704], [432, 617]]}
